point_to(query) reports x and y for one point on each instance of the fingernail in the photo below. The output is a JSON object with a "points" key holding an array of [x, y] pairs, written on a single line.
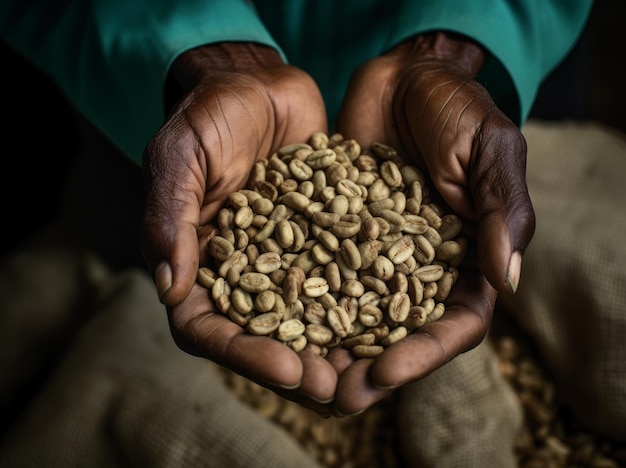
{"points": [[339, 414], [163, 278], [287, 387], [296, 386], [386, 387], [513, 274], [323, 402]]}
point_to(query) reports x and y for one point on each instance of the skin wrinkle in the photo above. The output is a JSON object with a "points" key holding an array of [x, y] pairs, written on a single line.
{"points": [[176, 203], [456, 157], [465, 107], [220, 156], [431, 94], [442, 182], [223, 135], [201, 164], [188, 168], [187, 330], [195, 324], [242, 102], [442, 128], [452, 94]]}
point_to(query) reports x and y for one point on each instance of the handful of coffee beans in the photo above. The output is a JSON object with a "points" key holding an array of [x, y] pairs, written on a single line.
{"points": [[331, 245]]}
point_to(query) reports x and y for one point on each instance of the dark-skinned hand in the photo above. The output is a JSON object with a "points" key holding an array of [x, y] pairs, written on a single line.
{"points": [[421, 98], [239, 104]]}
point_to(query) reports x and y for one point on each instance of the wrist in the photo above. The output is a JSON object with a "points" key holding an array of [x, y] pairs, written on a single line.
{"points": [[444, 46], [192, 66]]}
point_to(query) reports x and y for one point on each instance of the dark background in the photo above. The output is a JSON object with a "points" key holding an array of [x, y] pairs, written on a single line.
{"points": [[40, 140]]}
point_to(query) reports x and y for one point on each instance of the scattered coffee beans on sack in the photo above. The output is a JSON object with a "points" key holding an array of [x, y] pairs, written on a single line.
{"points": [[331, 244]]}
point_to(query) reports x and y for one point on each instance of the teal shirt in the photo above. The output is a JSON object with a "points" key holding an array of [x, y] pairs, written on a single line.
{"points": [[111, 57]]}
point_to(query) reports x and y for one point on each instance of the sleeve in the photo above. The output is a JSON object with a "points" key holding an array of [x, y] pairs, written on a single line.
{"points": [[526, 39], [111, 57]]}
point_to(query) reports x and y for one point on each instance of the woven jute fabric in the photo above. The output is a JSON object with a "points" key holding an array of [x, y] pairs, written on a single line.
{"points": [[572, 293], [90, 376]]}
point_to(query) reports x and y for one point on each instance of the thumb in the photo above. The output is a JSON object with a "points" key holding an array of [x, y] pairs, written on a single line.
{"points": [[504, 208], [170, 231], [503, 236]]}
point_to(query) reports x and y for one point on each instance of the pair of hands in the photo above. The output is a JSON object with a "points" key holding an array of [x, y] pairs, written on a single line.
{"points": [[239, 104]]}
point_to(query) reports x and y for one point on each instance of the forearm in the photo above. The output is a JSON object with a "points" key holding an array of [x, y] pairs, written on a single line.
{"points": [[199, 63]]}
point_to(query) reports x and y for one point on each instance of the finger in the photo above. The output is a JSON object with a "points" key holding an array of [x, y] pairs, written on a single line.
{"points": [[199, 330], [511, 229], [324, 410], [468, 314], [169, 238], [319, 379], [355, 390], [305, 378], [340, 358], [318, 385], [171, 252]]}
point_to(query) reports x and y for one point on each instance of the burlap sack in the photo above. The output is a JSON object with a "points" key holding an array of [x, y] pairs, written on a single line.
{"points": [[462, 415], [118, 392], [572, 294]]}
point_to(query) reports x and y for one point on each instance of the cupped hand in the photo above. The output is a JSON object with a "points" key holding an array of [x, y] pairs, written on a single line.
{"points": [[238, 103], [421, 98]]}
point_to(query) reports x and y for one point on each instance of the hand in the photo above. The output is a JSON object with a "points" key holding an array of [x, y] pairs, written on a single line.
{"points": [[422, 99], [239, 103]]}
